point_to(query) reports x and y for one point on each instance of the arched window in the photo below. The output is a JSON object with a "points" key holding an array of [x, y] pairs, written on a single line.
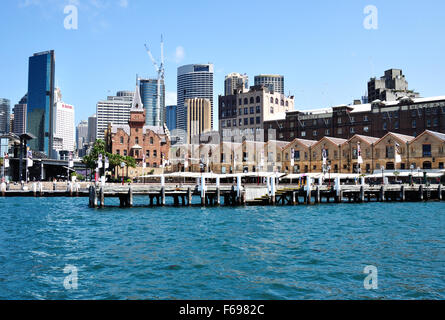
{"points": [[271, 100], [151, 140], [136, 140], [252, 100], [246, 101], [282, 102], [271, 109], [276, 101], [258, 99], [287, 103], [122, 140]]}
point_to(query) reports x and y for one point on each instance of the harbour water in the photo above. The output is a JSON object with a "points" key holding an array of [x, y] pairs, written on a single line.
{"points": [[301, 252]]}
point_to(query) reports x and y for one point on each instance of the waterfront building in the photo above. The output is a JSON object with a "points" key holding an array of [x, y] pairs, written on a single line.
{"points": [[392, 86], [385, 151], [149, 96], [427, 151], [296, 156], [40, 117], [171, 117], [137, 140], [243, 114], [235, 81], [4, 115], [351, 154], [405, 116], [114, 110], [194, 81], [274, 82], [92, 129], [199, 115]]}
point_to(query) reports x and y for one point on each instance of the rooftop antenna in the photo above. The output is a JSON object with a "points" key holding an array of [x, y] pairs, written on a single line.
{"points": [[161, 76]]}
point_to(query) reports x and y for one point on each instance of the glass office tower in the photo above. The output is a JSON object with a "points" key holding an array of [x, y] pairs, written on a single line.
{"points": [[149, 90], [41, 101], [171, 117], [4, 116]]}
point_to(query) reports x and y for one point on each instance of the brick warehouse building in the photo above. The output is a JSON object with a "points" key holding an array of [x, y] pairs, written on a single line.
{"points": [[408, 116], [136, 140]]}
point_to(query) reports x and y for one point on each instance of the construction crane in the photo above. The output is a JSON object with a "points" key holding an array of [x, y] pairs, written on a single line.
{"points": [[161, 76]]}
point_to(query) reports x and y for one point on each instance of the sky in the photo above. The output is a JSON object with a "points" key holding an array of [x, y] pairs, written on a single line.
{"points": [[323, 48]]}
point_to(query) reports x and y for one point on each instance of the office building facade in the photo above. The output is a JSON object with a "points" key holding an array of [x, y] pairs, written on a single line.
{"points": [[235, 81], [5, 106], [275, 83], [81, 134], [392, 86], [114, 110], [20, 116], [199, 117], [92, 129], [149, 95], [171, 117], [194, 81], [64, 126], [41, 101]]}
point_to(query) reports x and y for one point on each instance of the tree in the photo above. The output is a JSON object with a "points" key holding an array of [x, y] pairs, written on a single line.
{"points": [[115, 160]]}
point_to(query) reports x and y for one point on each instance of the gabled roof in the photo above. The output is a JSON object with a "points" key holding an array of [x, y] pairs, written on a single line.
{"points": [[336, 141], [367, 139], [304, 142], [401, 137], [280, 144], [438, 135]]}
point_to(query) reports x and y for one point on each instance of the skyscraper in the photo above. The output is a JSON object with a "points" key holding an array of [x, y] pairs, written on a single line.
{"points": [[41, 101], [92, 129], [198, 117], [171, 117], [114, 110], [64, 126], [4, 115], [149, 96], [20, 116], [235, 81], [81, 134], [274, 82], [194, 81]]}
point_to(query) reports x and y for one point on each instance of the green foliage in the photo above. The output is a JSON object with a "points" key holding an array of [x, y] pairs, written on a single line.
{"points": [[114, 159]]}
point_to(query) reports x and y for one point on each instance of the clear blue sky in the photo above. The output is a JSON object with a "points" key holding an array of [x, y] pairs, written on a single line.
{"points": [[321, 47]]}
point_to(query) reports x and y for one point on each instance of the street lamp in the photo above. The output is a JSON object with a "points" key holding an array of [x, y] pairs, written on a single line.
{"points": [[383, 175]]}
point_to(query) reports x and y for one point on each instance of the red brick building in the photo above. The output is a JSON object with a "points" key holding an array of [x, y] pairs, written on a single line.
{"points": [[136, 140]]}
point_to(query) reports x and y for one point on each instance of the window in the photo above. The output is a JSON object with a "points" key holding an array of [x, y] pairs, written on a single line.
{"points": [[246, 121], [303, 133], [118, 152], [258, 109], [315, 122], [271, 109], [258, 120], [315, 133], [252, 110], [276, 101], [436, 122], [426, 150], [136, 140], [389, 152], [385, 126], [240, 122], [366, 129], [252, 120], [155, 153], [147, 154], [246, 101], [428, 123], [252, 100], [125, 153], [240, 112], [258, 99], [229, 123], [413, 113], [352, 119], [282, 102], [223, 123], [246, 111], [339, 120], [155, 165], [327, 132], [287, 103], [234, 122], [271, 100], [339, 131], [414, 124], [365, 118], [396, 125], [352, 130]]}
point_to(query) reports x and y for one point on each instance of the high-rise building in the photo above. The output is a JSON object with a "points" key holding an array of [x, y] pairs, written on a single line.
{"points": [[274, 82], [149, 96], [64, 126], [20, 116], [11, 122], [171, 117], [114, 110], [81, 134], [92, 129], [390, 87], [5, 106], [41, 101], [235, 81], [199, 117], [194, 81]]}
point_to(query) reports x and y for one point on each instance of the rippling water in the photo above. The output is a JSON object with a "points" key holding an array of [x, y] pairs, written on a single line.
{"points": [[315, 252]]}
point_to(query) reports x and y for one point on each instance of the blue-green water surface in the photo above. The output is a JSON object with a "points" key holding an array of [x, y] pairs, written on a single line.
{"points": [[301, 252]]}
